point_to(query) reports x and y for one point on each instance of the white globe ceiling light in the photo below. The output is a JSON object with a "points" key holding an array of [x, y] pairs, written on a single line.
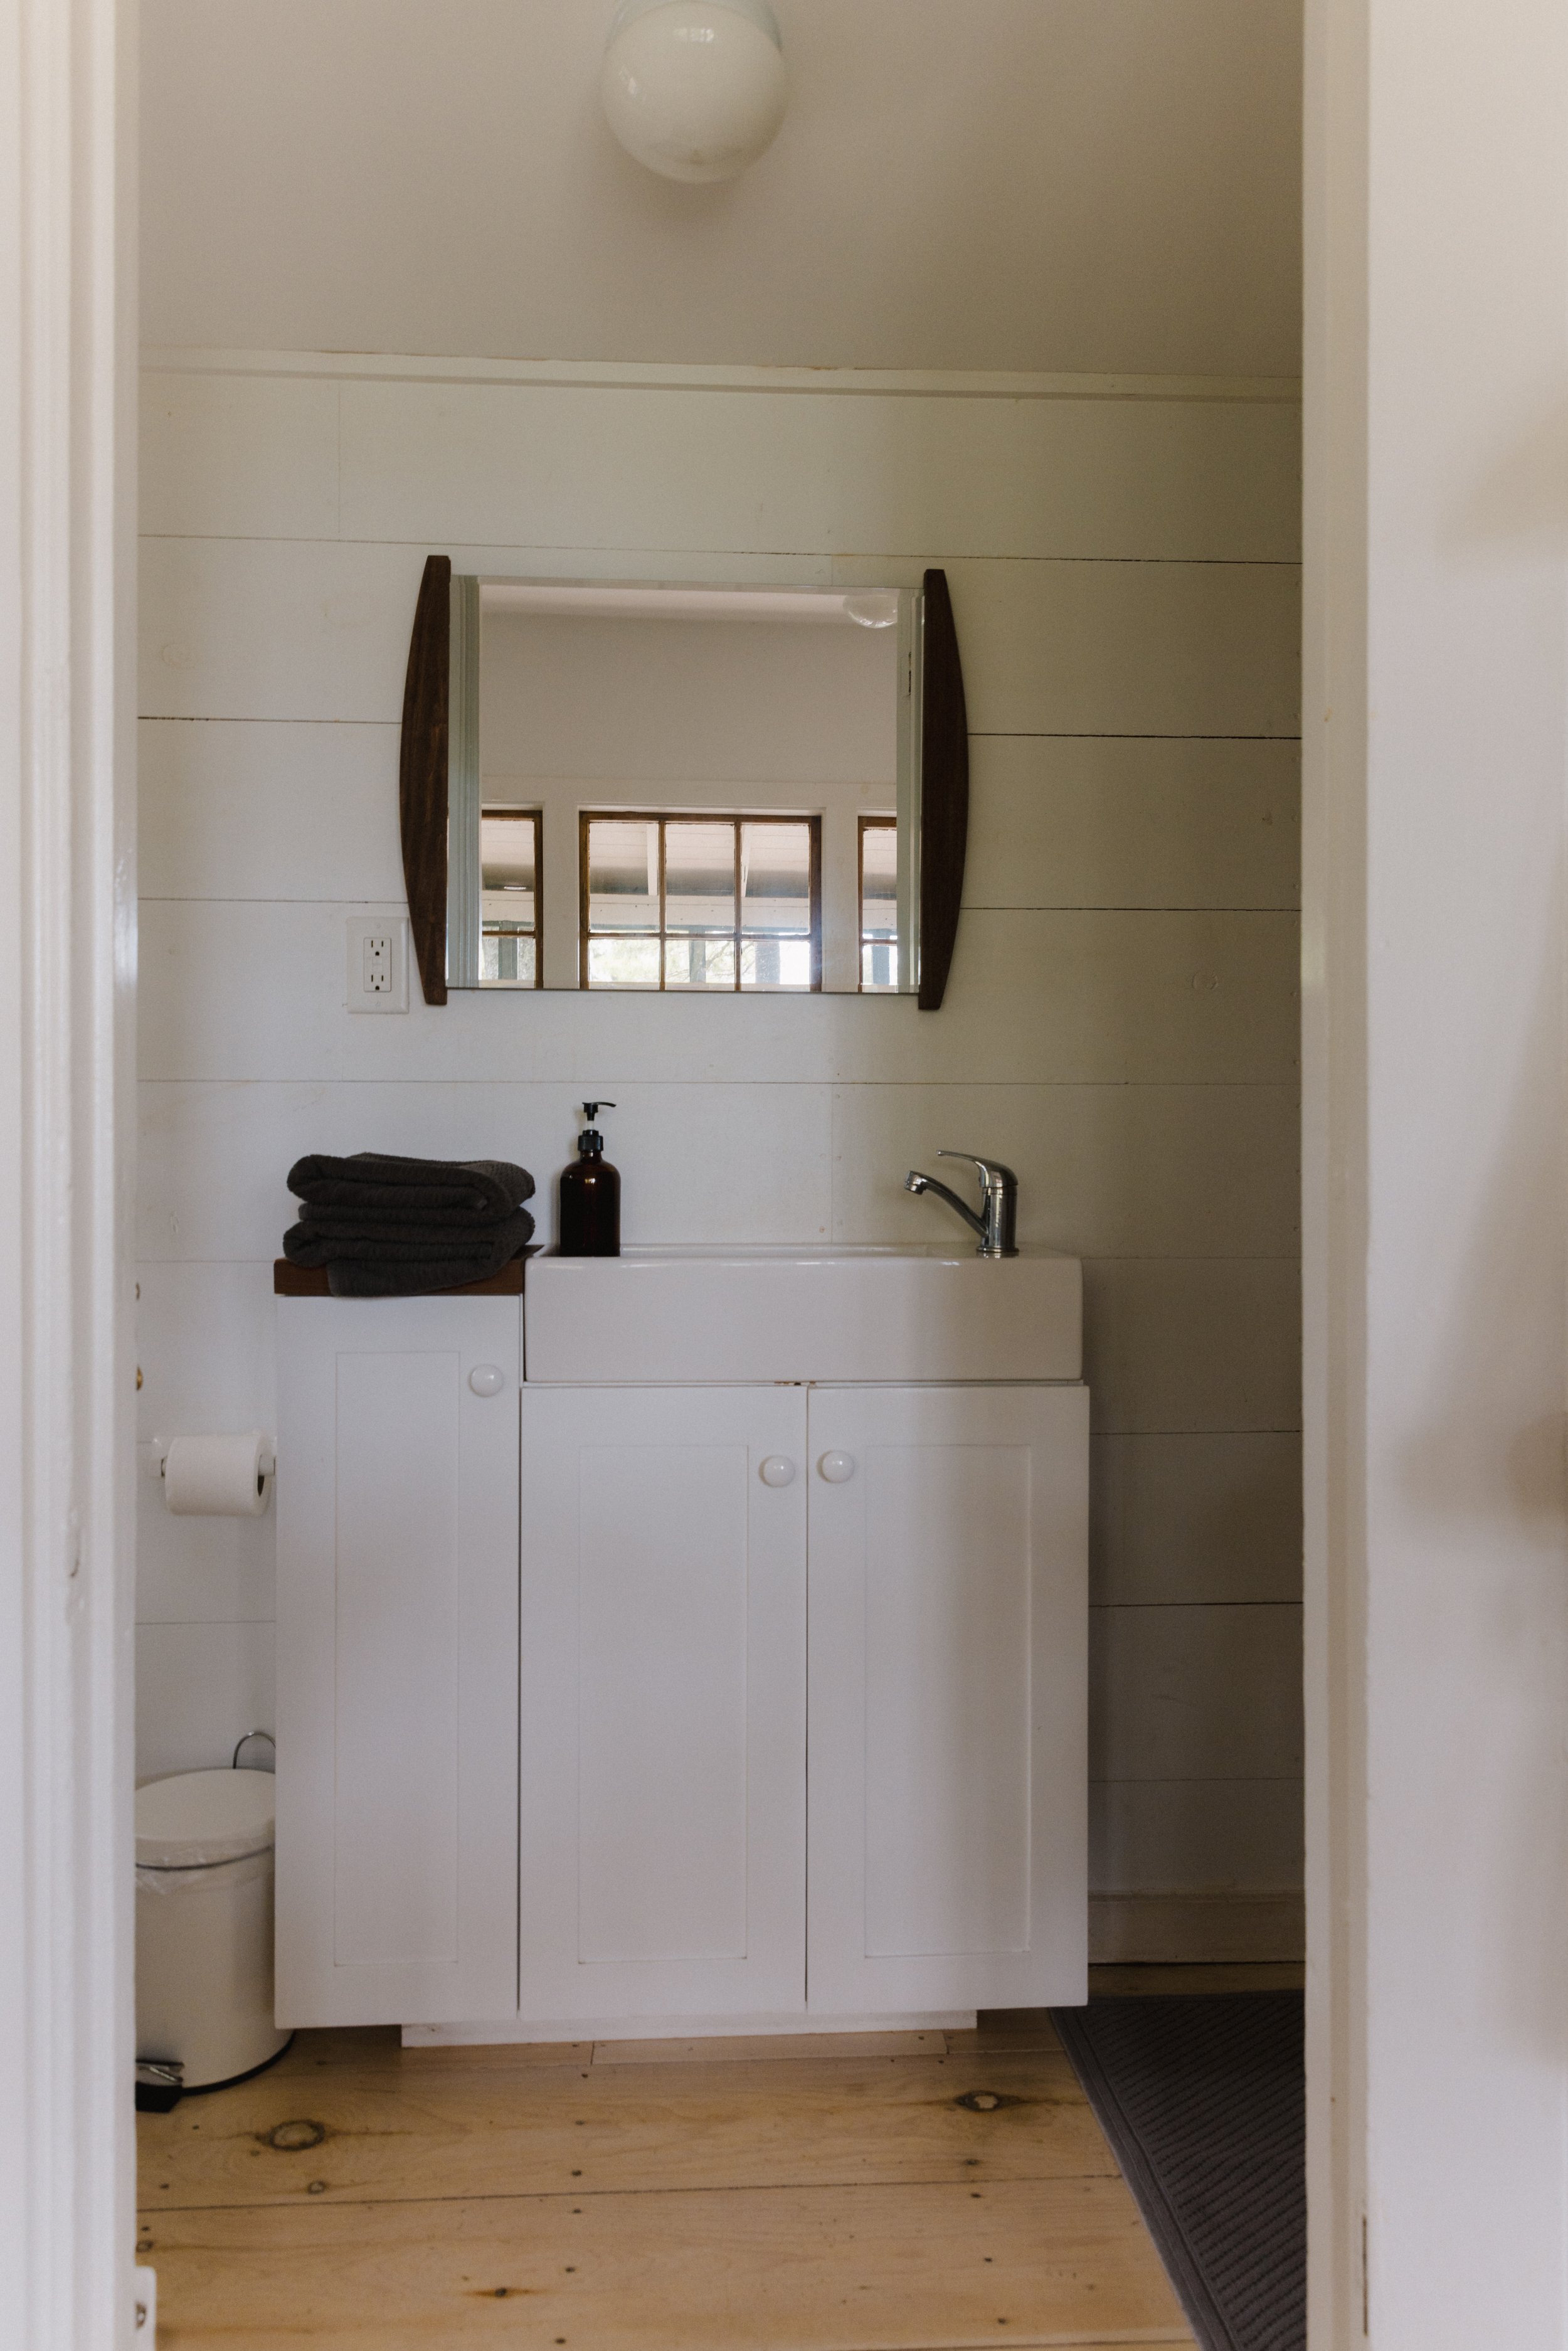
{"points": [[694, 89]]}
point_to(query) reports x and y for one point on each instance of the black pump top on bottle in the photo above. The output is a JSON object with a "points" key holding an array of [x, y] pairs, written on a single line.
{"points": [[591, 1139]]}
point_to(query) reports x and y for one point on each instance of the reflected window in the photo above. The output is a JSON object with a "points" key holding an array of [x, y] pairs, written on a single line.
{"points": [[510, 916], [878, 904], [695, 903]]}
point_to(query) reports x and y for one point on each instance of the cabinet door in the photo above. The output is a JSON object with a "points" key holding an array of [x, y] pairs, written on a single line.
{"points": [[949, 1751], [663, 1703], [397, 1648]]}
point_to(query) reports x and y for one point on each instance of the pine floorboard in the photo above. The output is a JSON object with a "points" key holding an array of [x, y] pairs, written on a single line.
{"points": [[850, 2195], [387, 2137]]}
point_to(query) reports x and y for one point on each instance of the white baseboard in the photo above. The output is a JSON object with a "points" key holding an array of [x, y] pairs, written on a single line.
{"points": [[513, 2029], [1223, 1924], [1217, 1926]]}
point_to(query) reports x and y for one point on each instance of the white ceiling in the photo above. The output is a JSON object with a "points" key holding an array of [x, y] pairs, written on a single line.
{"points": [[1060, 184]]}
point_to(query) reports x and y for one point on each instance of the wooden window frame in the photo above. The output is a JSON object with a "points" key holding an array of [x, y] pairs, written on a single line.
{"points": [[516, 815], [663, 818]]}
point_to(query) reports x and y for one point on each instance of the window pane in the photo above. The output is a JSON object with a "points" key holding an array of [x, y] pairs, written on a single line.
{"points": [[623, 875], [699, 961], [695, 947], [775, 963], [776, 878], [506, 959], [624, 963], [506, 910], [699, 878], [879, 881], [879, 964], [507, 852]]}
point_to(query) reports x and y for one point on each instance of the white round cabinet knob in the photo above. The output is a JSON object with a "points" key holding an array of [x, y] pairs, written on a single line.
{"points": [[486, 1379], [777, 1470], [836, 1467]]}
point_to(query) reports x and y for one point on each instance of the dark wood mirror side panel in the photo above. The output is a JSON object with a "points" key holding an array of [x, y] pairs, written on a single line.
{"points": [[421, 775], [943, 793]]}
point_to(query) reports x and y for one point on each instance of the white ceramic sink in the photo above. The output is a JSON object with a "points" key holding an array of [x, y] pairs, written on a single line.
{"points": [[687, 1316]]}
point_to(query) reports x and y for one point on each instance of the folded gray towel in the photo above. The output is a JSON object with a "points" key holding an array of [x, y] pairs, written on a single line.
{"points": [[376, 1183], [445, 1233], [375, 1278]]}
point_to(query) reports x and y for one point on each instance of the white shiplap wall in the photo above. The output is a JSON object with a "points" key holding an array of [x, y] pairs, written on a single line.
{"points": [[1120, 1023]]}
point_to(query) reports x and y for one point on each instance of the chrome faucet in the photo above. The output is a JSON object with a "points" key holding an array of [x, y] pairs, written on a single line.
{"points": [[997, 1216]]}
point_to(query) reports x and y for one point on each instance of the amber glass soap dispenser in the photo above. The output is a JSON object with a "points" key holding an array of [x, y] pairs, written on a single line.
{"points": [[590, 1196]]}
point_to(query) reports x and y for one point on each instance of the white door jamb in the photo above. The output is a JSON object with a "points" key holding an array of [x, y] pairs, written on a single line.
{"points": [[67, 982]]}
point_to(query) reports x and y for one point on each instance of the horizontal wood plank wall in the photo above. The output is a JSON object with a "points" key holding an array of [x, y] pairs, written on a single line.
{"points": [[1119, 1024]]}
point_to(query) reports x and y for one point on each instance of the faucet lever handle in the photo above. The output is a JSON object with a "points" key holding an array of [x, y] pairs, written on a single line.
{"points": [[989, 1168]]}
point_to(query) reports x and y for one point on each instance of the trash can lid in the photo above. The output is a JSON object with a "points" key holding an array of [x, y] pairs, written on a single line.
{"points": [[199, 1818]]}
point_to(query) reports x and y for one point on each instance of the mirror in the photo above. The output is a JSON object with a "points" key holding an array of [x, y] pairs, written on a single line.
{"points": [[683, 790]]}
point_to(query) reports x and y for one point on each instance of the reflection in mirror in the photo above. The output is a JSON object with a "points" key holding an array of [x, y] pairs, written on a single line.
{"points": [[878, 904], [682, 790], [690, 767], [678, 901], [510, 865], [780, 878], [622, 890]]}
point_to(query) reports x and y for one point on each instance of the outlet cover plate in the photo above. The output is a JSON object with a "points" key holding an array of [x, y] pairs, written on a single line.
{"points": [[378, 963]]}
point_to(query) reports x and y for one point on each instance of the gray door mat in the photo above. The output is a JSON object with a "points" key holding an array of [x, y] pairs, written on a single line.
{"points": [[1203, 2098]]}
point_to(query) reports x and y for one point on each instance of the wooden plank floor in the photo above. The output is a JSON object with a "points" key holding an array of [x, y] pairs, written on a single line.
{"points": [[863, 2192]]}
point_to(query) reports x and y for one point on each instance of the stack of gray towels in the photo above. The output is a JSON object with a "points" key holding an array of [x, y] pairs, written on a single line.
{"points": [[388, 1228]]}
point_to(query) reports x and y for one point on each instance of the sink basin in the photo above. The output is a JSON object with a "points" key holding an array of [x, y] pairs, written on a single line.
{"points": [[688, 1316]]}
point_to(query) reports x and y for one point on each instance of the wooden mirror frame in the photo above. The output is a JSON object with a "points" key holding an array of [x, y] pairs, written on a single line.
{"points": [[944, 792], [421, 774], [944, 771]]}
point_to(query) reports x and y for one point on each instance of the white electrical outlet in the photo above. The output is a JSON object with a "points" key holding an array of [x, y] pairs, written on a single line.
{"points": [[378, 963]]}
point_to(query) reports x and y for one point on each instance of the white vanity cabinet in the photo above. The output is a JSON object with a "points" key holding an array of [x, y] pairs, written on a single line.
{"points": [[948, 1686], [397, 1659], [700, 1776], [663, 1703], [607, 1708]]}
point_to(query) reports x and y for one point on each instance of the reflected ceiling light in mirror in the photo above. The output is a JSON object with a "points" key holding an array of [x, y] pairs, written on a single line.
{"points": [[694, 89], [879, 612]]}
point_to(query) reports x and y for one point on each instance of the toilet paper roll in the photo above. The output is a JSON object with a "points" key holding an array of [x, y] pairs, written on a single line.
{"points": [[218, 1476]]}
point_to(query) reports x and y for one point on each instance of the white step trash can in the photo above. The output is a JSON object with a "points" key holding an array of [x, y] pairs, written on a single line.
{"points": [[203, 1924]]}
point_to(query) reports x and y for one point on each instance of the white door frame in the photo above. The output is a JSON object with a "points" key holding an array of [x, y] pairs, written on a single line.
{"points": [[1435, 1127], [1334, 1157], [1389, 84], [68, 275]]}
